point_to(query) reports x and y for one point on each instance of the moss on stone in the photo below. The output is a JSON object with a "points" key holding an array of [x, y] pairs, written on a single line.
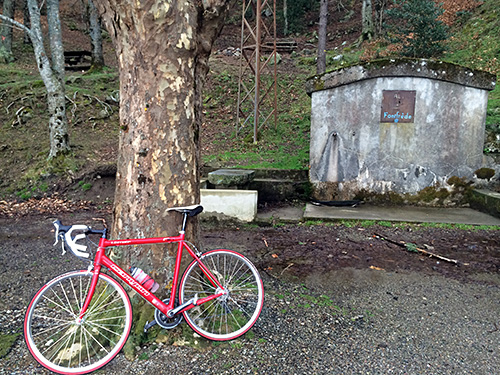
{"points": [[485, 173]]}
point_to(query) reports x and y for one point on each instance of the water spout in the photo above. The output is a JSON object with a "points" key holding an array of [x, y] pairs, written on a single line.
{"points": [[328, 166]]}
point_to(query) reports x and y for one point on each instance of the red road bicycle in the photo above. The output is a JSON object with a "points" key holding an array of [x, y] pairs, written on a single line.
{"points": [[79, 321]]}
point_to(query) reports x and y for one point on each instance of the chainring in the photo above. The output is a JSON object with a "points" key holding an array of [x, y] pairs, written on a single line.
{"points": [[164, 321]]}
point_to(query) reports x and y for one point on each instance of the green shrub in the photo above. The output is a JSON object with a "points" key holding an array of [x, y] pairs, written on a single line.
{"points": [[415, 27]]}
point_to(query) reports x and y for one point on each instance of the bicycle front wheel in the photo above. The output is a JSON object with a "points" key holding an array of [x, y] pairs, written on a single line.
{"points": [[230, 315], [65, 345]]}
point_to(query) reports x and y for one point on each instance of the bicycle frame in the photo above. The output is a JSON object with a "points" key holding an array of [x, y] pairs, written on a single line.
{"points": [[168, 309]]}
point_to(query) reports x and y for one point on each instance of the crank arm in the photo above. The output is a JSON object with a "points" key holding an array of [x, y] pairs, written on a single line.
{"points": [[178, 309], [149, 325]]}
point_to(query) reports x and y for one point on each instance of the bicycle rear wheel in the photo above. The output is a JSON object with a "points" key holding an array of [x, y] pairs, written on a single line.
{"points": [[231, 315], [63, 345]]}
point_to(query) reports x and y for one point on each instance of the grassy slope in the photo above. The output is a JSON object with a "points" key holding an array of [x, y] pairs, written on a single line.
{"points": [[23, 148], [477, 44]]}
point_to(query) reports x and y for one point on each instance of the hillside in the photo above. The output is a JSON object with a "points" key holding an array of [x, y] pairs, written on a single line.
{"points": [[93, 111]]}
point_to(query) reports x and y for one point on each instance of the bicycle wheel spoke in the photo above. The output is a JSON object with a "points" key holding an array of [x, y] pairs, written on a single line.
{"points": [[59, 305], [65, 344], [236, 309]]}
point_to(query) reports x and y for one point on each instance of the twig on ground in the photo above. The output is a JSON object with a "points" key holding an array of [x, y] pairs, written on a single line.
{"points": [[73, 110], [18, 115], [106, 106], [413, 247], [287, 267]]}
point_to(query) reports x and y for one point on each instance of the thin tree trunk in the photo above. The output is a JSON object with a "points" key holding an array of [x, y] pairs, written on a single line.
{"points": [[55, 39], [285, 16], [368, 30], [379, 15], [6, 33], [323, 21], [95, 37], [27, 23], [58, 123]]}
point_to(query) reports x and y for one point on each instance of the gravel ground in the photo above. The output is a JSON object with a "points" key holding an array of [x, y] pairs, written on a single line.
{"points": [[344, 321], [366, 322]]}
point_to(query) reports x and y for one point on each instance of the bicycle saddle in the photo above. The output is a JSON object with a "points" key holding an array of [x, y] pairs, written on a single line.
{"points": [[190, 210]]}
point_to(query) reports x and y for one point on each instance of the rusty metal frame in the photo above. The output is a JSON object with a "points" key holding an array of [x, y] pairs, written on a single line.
{"points": [[257, 87]]}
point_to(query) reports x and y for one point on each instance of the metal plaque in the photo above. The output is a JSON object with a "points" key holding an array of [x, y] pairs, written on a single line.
{"points": [[398, 106]]}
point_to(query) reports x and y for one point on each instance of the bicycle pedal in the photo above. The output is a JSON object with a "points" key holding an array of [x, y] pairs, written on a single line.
{"points": [[148, 325]]}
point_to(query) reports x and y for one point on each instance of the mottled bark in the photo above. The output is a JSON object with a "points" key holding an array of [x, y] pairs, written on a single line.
{"points": [[54, 83], [323, 21], [95, 36], [162, 49], [6, 33], [55, 39]]}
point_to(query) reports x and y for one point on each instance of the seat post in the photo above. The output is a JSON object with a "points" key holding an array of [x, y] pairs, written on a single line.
{"points": [[184, 220]]}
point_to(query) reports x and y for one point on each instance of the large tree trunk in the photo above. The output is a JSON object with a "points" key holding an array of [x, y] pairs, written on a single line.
{"points": [[162, 53], [6, 33], [95, 37], [323, 21]]}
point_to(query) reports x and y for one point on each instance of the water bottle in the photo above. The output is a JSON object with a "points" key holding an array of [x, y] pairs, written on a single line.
{"points": [[144, 279]]}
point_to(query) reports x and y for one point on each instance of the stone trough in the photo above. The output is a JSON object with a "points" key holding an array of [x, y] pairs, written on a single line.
{"points": [[227, 194]]}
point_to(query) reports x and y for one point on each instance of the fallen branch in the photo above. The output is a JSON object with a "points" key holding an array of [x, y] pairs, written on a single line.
{"points": [[414, 248], [18, 115], [287, 267], [75, 107], [107, 108]]}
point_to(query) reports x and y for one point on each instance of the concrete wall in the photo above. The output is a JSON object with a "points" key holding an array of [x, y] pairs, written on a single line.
{"points": [[353, 149]]}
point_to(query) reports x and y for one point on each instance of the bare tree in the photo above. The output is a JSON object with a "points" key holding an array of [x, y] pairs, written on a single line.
{"points": [[379, 15], [27, 23], [95, 36], [285, 17], [55, 39], [6, 33], [323, 21], [52, 72], [368, 30]]}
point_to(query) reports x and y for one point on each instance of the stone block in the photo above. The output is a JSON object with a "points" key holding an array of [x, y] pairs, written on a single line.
{"points": [[231, 177], [239, 204]]}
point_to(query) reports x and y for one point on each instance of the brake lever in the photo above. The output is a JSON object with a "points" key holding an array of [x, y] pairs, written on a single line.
{"points": [[63, 248], [56, 225]]}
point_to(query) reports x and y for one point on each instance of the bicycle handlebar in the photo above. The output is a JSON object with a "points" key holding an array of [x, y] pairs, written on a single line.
{"points": [[65, 233]]}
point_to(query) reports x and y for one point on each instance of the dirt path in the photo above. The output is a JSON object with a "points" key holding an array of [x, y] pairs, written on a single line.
{"points": [[338, 300]]}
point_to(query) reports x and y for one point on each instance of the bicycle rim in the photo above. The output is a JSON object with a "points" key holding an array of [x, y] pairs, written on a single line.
{"points": [[231, 315], [59, 342]]}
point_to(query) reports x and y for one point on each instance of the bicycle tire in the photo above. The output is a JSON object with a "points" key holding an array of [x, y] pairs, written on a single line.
{"points": [[64, 346], [231, 315]]}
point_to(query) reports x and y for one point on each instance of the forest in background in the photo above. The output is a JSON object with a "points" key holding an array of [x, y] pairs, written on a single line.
{"points": [[91, 96]]}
